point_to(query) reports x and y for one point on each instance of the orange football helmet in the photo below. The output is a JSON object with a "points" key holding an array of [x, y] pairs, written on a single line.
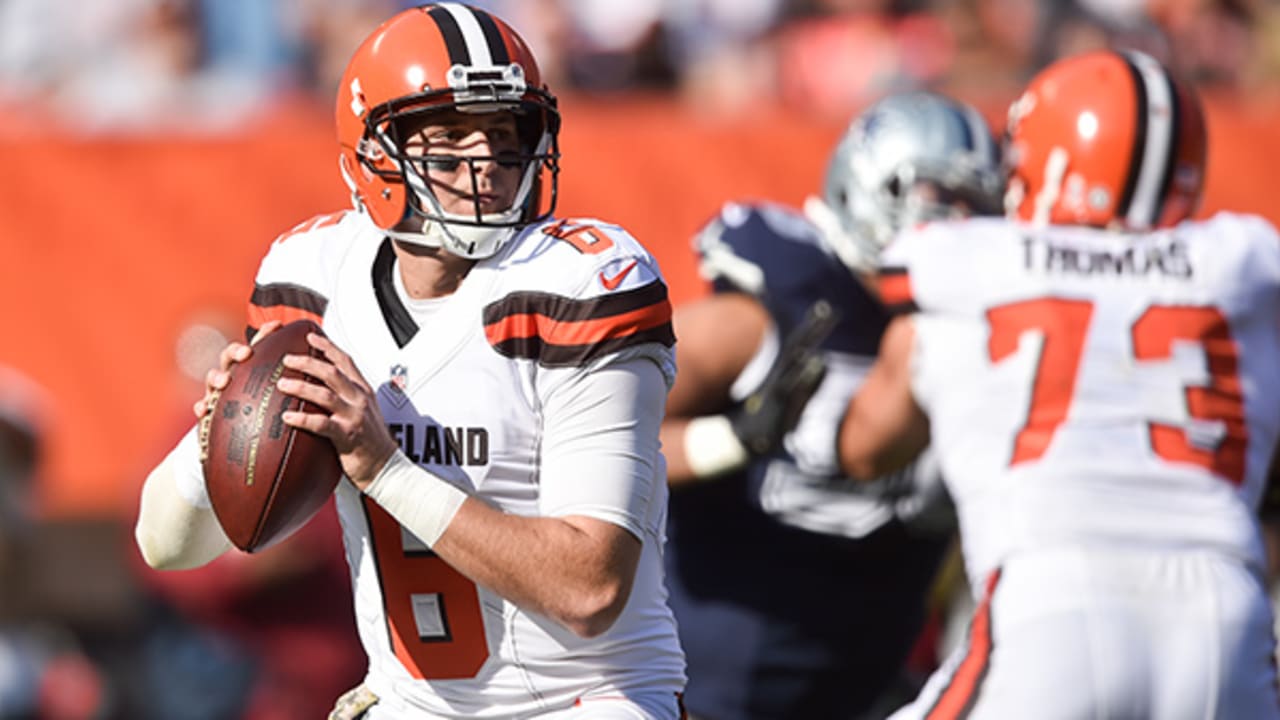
{"points": [[444, 56], [1105, 139]]}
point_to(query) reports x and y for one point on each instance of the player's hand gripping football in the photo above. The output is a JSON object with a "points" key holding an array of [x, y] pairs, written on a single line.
{"points": [[216, 379], [770, 412], [352, 421]]}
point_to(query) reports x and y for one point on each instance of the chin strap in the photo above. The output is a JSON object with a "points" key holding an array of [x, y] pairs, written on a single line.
{"points": [[471, 242]]}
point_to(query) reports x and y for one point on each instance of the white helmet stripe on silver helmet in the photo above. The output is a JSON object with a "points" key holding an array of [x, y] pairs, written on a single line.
{"points": [[984, 144]]}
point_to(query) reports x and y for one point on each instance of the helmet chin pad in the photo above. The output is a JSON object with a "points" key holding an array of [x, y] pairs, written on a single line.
{"points": [[462, 237]]}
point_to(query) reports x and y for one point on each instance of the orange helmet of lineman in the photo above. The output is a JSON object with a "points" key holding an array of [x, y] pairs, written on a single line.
{"points": [[1105, 139], [443, 57]]}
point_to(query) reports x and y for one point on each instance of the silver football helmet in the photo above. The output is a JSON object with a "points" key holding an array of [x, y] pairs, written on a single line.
{"points": [[909, 158]]}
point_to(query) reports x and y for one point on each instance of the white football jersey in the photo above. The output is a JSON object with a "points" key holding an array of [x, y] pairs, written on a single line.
{"points": [[465, 395], [1096, 387]]}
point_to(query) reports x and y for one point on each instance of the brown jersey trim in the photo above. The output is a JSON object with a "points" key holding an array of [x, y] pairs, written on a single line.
{"points": [[399, 322], [284, 302], [558, 331]]}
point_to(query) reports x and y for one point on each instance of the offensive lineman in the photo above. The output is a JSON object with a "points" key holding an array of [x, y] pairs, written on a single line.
{"points": [[1100, 377]]}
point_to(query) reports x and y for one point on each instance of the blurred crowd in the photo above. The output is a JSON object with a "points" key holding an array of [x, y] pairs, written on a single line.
{"points": [[105, 638], [111, 65]]}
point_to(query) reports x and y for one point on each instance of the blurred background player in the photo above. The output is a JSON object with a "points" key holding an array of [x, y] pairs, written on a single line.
{"points": [[504, 513], [1101, 378], [799, 594], [47, 669]]}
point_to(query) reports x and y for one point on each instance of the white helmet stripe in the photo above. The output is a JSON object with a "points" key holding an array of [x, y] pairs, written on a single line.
{"points": [[472, 34], [1159, 112], [983, 146]]}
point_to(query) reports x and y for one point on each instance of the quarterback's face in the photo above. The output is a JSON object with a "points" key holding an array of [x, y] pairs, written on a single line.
{"points": [[485, 182]]}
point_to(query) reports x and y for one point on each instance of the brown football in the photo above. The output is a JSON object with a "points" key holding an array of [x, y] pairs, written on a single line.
{"points": [[265, 479]]}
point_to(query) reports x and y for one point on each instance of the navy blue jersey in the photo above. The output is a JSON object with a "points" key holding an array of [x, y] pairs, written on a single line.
{"points": [[798, 593]]}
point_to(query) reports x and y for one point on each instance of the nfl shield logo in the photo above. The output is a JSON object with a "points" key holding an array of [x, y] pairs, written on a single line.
{"points": [[399, 377], [396, 388]]}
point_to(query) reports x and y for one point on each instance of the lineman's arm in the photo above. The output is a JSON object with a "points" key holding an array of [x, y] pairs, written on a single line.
{"points": [[726, 335], [884, 428], [718, 336], [175, 530]]}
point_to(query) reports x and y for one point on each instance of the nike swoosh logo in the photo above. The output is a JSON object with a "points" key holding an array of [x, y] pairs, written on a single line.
{"points": [[612, 283]]}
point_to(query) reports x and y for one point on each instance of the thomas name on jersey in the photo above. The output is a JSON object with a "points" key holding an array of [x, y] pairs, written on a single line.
{"points": [[431, 444], [1166, 256]]}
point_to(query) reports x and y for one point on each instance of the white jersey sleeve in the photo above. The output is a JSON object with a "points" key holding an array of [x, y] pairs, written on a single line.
{"points": [[298, 275], [600, 452], [593, 323]]}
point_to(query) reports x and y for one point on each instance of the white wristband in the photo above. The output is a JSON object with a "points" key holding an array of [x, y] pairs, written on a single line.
{"points": [[711, 448], [423, 503]]}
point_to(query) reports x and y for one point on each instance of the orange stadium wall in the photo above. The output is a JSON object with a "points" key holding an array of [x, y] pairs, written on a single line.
{"points": [[112, 247]]}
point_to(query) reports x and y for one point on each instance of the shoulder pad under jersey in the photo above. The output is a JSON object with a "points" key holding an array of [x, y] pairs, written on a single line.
{"points": [[575, 290], [296, 277]]}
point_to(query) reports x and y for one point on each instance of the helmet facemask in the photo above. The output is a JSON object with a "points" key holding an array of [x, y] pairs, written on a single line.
{"points": [[476, 234], [927, 193]]}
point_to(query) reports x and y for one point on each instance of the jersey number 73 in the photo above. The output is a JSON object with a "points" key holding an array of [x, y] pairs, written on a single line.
{"points": [[1065, 326]]}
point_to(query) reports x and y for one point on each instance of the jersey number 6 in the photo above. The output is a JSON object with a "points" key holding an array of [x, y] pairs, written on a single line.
{"points": [[433, 612]]}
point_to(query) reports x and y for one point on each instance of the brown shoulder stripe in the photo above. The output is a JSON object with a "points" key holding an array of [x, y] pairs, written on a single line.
{"points": [[284, 302], [558, 331]]}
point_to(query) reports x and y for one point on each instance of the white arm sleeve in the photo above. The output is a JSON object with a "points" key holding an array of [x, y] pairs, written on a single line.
{"points": [[600, 449], [176, 528]]}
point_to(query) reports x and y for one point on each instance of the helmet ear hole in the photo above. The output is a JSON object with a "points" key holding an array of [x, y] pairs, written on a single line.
{"points": [[894, 186]]}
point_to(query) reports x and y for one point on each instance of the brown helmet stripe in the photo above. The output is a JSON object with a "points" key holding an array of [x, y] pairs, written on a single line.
{"points": [[493, 38], [454, 41], [1139, 136], [1156, 146], [473, 37], [1175, 132]]}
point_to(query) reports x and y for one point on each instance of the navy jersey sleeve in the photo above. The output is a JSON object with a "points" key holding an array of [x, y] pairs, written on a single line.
{"points": [[775, 254]]}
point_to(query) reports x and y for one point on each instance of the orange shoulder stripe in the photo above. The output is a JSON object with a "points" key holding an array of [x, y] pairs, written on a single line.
{"points": [[561, 331], [895, 290], [957, 699]]}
